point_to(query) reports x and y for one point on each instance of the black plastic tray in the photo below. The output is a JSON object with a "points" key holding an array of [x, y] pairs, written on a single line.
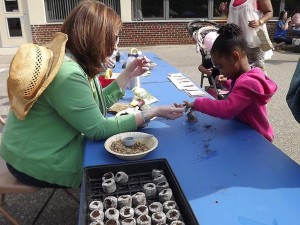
{"points": [[139, 173]]}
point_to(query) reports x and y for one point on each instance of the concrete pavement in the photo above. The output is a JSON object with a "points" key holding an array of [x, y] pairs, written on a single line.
{"points": [[62, 210]]}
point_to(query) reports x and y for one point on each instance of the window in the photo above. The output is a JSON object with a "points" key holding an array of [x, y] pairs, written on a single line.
{"points": [[169, 9], [276, 8], [11, 5], [188, 8], [216, 12], [184, 9], [14, 27], [152, 9], [57, 10], [291, 6]]}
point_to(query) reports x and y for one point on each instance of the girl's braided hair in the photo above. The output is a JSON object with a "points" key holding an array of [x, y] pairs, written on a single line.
{"points": [[229, 39]]}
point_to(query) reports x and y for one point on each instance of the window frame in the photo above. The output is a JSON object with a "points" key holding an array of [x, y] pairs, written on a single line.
{"points": [[209, 13], [64, 14]]}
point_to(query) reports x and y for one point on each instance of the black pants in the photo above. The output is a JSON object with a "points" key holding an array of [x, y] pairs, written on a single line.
{"points": [[281, 39], [24, 178]]}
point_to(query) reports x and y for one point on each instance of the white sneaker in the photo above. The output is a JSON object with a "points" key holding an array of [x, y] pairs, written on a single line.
{"points": [[294, 40], [297, 42]]}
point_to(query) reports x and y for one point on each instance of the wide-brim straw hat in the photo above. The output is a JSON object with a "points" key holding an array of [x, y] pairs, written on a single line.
{"points": [[32, 69]]}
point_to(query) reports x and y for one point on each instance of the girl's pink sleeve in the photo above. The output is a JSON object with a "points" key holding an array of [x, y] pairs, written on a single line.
{"points": [[226, 84], [229, 108]]}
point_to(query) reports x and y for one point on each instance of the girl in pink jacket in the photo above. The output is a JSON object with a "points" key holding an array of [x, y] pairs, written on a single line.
{"points": [[250, 89]]}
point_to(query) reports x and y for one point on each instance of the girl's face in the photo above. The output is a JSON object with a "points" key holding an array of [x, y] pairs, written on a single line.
{"points": [[285, 16], [227, 65]]}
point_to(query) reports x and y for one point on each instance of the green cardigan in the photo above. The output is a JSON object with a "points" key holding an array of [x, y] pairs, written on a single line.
{"points": [[48, 144]]}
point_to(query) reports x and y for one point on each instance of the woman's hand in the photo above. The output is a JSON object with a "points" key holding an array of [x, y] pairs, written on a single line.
{"points": [[165, 111], [254, 23], [109, 62], [223, 8], [170, 112], [137, 67]]}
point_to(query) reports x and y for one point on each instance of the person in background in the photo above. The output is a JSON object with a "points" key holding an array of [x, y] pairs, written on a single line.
{"points": [[249, 88], [296, 22], [43, 138], [206, 66], [293, 95], [249, 15], [282, 26]]}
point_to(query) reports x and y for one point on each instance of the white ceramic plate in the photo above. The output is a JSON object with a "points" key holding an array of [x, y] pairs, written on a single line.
{"points": [[150, 142]]}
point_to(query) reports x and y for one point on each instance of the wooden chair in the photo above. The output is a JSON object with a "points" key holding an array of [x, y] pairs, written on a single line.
{"points": [[2, 121], [10, 185]]}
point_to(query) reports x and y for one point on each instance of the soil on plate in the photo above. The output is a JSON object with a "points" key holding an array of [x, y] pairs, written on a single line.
{"points": [[119, 147]]}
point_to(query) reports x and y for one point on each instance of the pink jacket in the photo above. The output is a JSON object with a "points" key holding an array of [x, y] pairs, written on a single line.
{"points": [[246, 102]]}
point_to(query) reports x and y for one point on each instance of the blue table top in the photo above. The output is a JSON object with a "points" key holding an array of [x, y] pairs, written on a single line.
{"points": [[158, 73], [230, 174]]}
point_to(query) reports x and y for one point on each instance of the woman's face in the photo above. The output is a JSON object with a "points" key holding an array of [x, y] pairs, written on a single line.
{"points": [[284, 16], [226, 64], [117, 42]]}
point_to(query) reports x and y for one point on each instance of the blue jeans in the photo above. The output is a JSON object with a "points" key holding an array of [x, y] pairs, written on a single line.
{"points": [[280, 39], [295, 32]]}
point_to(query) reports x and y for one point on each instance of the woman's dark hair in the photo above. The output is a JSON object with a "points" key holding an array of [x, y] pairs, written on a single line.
{"points": [[92, 31], [229, 39], [281, 14]]}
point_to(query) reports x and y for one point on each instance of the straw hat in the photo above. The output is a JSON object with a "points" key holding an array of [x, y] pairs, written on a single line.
{"points": [[31, 71]]}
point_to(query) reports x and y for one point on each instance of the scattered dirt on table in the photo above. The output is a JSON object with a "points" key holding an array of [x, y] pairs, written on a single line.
{"points": [[207, 126]]}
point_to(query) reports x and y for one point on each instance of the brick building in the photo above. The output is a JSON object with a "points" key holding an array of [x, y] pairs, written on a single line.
{"points": [[145, 22]]}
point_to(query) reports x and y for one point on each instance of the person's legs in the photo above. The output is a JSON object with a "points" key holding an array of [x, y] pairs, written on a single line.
{"points": [[280, 41], [24, 178], [256, 57], [296, 32], [287, 41], [283, 40]]}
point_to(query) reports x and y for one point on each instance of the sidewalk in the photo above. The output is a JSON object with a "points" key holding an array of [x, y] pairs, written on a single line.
{"points": [[62, 210]]}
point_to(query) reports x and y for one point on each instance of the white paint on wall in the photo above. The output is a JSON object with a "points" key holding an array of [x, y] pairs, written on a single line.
{"points": [[126, 10], [36, 9]]}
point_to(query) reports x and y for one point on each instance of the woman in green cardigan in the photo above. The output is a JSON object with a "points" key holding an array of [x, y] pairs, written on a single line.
{"points": [[54, 107]]}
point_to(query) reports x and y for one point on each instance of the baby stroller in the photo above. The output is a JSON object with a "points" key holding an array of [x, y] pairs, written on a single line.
{"points": [[198, 29]]}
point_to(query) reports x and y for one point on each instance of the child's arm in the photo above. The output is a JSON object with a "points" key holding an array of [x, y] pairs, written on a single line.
{"points": [[229, 108], [202, 69]]}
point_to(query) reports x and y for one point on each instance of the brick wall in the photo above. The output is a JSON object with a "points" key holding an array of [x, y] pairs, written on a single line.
{"points": [[137, 33], [42, 33]]}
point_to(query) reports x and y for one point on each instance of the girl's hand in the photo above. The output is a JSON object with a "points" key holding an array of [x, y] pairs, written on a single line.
{"points": [[137, 67], [221, 78], [209, 72], [185, 104], [188, 104]]}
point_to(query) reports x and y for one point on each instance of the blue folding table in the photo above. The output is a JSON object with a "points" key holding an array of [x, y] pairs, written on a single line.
{"points": [[229, 173]]}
